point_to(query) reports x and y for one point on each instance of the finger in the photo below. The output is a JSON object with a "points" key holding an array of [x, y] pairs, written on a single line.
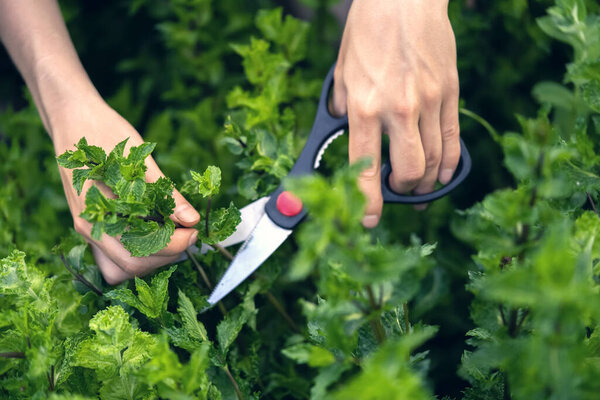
{"points": [[338, 103], [429, 127], [406, 152], [365, 141], [184, 214], [450, 130], [181, 239], [112, 273], [133, 266]]}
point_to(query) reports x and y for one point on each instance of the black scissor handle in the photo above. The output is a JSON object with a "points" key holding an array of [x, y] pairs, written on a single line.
{"points": [[462, 170], [327, 125]]}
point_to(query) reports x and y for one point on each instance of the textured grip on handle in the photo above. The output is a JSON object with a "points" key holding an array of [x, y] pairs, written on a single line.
{"points": [[462, 170]]}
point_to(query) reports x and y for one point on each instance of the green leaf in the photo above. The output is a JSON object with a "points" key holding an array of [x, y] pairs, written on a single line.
{"points": [[192, 333], [147, 238], [591, 95], [383, 377], [151, 300], [116, 347], [79, 178], [230, 327], [222, 223], [193, 328], [305, 353], [69, 159], [209, 182]]}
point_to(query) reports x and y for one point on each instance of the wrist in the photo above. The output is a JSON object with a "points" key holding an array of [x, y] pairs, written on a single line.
{"points": [[59, 89]]}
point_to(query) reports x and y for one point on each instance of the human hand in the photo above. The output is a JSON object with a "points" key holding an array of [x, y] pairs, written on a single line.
{"points": [[396, 74], [103, 127]]}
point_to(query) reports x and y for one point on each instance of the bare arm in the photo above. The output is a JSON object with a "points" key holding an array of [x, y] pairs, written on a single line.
{"points": [[37, 40], [35, 35]]}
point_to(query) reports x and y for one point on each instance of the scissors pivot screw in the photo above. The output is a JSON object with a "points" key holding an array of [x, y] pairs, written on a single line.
{"points": [[288, 204]]}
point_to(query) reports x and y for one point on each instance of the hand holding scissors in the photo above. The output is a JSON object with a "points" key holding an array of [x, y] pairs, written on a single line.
{"points": [[267, 222]]}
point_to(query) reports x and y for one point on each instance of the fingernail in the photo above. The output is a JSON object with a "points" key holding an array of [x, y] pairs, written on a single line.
{"points": [[193, 239], [420, 207], [370, 221], [446, 175], [186, 214]]}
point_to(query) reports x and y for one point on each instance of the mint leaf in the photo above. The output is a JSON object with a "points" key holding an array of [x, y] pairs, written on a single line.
{"points": [[305, 353], [151, 300], [222, 223], [141, 211], [208, 183], [115, 347], [146, 238]]}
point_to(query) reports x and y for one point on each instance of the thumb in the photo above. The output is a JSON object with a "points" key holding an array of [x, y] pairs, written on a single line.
{"points": [[184, 214], [337, 103]]}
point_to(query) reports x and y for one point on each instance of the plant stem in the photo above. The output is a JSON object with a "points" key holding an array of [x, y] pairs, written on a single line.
{"points": [[239, 394], [589, 196], [501, 308], [199, 268], [13, 354], [80, 277], [512, 323], [223, 251], [488, 127], [206, 216], [205, 279], [406, 320], [523, 316], [506, 395], [50, 376], [279, 307], [375, 321]]}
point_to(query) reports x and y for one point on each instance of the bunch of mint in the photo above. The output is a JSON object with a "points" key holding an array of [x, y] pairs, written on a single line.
{"points": [[140, 211]]}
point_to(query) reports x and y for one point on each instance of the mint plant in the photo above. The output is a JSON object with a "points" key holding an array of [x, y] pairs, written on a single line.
{"points": [[218, 223], [140, 213], [337, 312], [536, 302]]}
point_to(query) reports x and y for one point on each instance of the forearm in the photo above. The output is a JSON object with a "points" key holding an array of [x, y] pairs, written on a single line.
{"points": [[35, 35]]}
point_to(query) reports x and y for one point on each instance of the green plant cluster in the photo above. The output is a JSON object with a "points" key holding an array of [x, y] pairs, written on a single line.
{"points": [[140, 212], [337, 312]]}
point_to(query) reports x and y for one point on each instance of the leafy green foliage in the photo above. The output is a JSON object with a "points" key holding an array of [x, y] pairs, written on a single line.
{"points": [[140, 213], [336, 312], [219, 223], [262, 125], [536, 301], [113, 352], [151, 300]]}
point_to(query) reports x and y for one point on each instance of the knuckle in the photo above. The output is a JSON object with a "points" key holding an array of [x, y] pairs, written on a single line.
{"points": [[412, 175], [432, 95], [407, 108], [452, 84], [365, 110], [370, 173], [450, 131], [433, 159]]}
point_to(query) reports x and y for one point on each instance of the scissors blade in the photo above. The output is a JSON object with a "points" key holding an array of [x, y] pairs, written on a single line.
{"points": [[264, 240], [250, 216]]}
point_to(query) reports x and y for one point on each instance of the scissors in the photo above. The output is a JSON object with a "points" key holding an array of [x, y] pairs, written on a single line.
{"points": [[268, 221]]}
